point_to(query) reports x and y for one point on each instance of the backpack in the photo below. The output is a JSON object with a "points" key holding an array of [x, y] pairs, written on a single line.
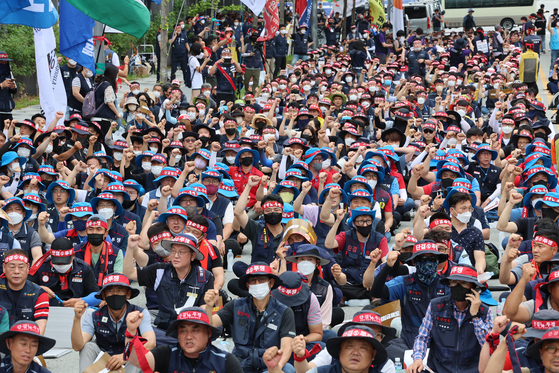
{"points": [[188, 75], [89, 107], [492, 259]]}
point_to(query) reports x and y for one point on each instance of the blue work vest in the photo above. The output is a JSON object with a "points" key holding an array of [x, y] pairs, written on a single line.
{"points": [[354, 262], [414, 304], [220, 206], [212, 359], [251, 343], [453, 348], [319, 288], [24, 309], [108, 339], [49, 278]]}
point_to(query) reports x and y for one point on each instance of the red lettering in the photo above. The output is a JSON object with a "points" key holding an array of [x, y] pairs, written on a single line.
{"points": [[240, 313]]}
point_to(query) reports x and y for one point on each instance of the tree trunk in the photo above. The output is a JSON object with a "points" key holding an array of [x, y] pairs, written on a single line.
{"points": [[164, 42], [344, 20]]}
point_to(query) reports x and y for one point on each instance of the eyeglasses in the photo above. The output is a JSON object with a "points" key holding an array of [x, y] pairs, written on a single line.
{"points": [[551, 349], [180, 253], [427, 259], [189, 140], [257, 280], [188, 201], [379, 336], [59, 191], [210, 181], [193, 231], [363, 223], [105, 205]]}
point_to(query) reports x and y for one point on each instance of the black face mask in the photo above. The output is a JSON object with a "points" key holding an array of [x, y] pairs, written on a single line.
{"points": [[246, 161], [47, 182], [260, 124], [446, 182], [541, 135], [297, 73], [295, 92], [273, 218], [116, 302], [204, 140], [306, 137], [365, 231], [128, 204], [540, 182], [458, 293], [230, 131], [549, 213], [405, 256], [95, 239]]}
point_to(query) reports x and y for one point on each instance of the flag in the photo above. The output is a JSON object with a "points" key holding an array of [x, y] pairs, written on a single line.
{"points": [[338, 6], [52, 93], [129, 16], [397, 16], [376, 7], [39, 14], [76, 35], [12, 6], [305, 15], [255, 5], [271, 18]]}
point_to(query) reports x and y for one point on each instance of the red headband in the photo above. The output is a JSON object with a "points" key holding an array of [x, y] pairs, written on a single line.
{"points": [[13, 257], [62, 253], [26, 327], [290, 292], [544, 324], [194, 315], [357, 333], [200, 227], [160, 236], [271, 204], [545, 241], [259, 268], [368, 317], [438, 222], [459, 270], [96, 223], [425, 246]]}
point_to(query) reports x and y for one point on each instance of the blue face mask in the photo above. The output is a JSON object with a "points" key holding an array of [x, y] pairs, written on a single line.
{"points": [[80, 225], [302, 123], [426, 271], [387, 82]]}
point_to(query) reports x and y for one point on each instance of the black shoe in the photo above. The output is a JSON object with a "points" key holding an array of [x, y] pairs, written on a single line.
{"points": [[406, 216]]}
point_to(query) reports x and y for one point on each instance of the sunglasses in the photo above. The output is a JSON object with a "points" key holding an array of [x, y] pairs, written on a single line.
{"points": [[428, 131], [427, 259]]}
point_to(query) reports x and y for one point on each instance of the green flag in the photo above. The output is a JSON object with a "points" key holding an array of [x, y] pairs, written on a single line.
{"points": [[129, 16]]}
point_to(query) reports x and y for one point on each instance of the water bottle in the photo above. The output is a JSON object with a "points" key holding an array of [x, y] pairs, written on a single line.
{"points": [[230, 260], [484, 277], [398, 365], [358, 302]]}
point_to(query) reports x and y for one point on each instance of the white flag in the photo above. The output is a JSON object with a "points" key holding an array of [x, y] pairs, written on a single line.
{"points": [[51, 86]]}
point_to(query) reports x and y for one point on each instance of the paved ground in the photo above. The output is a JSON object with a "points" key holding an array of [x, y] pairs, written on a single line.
{"points": [[69, 363]]}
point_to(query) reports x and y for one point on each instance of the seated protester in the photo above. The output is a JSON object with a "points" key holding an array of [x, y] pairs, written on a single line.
{"points": [[215, 230], [11, 167], [265, 235], [314, 158], [63, 277], [246, 163], [101, 178], [310, 263], [60, 195], [293, 151], [312, 213], [28, 238], [21, 344], [524, 226], [118, 191], [463, 315], [148, 167], [22, 299], [173, 294], [415, 290], [306, 309], [78, 215], [135, 191], [167, 178], [355, 340], [542, 250], [460, 205], [544, 298], [31, 183], [251, 337], [109, 325], [193, 350], [531, 197], [25, 149], [97, 252], [355, 246], [370, 319], [34, 203], [486, 173], [106, 205]]}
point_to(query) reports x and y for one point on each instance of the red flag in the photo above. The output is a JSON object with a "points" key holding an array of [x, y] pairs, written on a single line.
{"points": [[271, 17]]}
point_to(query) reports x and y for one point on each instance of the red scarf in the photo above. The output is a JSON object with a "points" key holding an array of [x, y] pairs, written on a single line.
{"points": [[103, 258]]}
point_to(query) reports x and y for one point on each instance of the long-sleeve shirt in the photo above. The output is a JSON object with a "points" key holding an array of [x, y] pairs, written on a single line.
{"points": [[481, 328]]}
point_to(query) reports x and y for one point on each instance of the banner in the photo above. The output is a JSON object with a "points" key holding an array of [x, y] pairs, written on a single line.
{"points": [[76, 35], [397, 16], [129, 16], [52, 93], [39, 14], [338, 6], [12, 6], [271, 18], [305, 16], [376, 8], [255, 5]]}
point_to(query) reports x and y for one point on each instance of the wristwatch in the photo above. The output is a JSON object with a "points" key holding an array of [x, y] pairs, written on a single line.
{"points": [[477, 315]]}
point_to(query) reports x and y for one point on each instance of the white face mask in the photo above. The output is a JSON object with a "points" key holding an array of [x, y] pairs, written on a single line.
{"points": [[282, 87], [420, 100], [365, 104], [182, 112], [464, 217], [200, 56], [374, 88], [48, 150], [313, 83], [274, 89], [534, 202], [177, 158], [326, 164], [259, 291], [349, 79], [306, 267], [154, 149], [207, 93], [324, 109], [360, 159], [451, 83], [353, 97], [372, 183], [22, 152], [156, 170], [62, 268], [237, 24], [118, 156], [323, 88], [349, 141], [269, 136], [496, 85], [135, 92], [265, 96], [202, 112], [16, 217], [461, 112], [328, 71], [306, 87], [293, 80], [146, 166], [507, 129], [512, 75], [344, 69], [32, 217], [459, 81], [107, 213], [191, 116], [283, 32], [141, 115], [71, 61], [137, 152], [157, 94], [230, 160], [88, 73]]}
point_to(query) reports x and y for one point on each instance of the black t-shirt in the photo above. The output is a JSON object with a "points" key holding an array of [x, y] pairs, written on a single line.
{"points": [[540, 23], [162, 356], [525, 226], [287, 326]]}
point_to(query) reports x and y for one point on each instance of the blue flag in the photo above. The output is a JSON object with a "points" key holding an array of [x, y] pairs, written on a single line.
{"points": [[305, 18], [11, 6], [39, 14], [76, 35]]}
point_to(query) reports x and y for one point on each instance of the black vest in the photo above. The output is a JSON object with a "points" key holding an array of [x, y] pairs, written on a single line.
{"points": [[24, 309], [108, 339], [84, 88], [47, 276]]}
